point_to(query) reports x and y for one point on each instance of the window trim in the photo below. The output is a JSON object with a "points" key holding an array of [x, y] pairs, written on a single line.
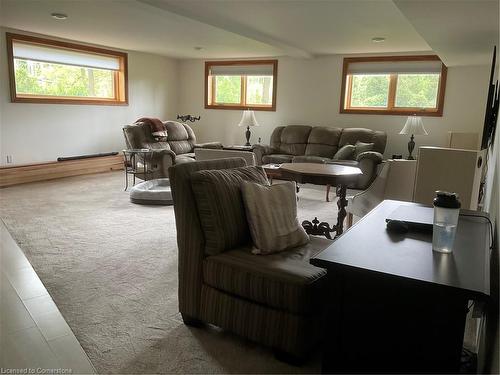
{"points": [[120, 77], [391, 110], [210, 83]]}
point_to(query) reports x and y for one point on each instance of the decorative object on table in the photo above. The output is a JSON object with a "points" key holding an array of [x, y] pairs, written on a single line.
{"points": [[268, 234], [152, 192], [413, 126], [397, 156], [446, 211], [248, 119], [190, 118]]}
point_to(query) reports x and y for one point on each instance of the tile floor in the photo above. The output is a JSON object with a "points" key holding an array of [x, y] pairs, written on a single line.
{"points": [[33, 333]]}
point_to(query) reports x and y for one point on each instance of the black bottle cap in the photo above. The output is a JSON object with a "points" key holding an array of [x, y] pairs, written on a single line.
{"points": [[446, 199]]}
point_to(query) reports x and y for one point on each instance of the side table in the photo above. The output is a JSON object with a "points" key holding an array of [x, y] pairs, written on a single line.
{"points": [[137, 162]]}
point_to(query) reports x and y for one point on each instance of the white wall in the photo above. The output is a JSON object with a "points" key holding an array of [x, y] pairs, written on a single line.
{"points": [[309, 93], [43, 132]]}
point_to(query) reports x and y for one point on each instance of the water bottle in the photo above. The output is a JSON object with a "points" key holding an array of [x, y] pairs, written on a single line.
{"points": [[446, 211]]}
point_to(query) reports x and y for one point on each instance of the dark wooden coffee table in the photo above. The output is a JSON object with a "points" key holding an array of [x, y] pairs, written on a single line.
{"points": [[319, 174]]}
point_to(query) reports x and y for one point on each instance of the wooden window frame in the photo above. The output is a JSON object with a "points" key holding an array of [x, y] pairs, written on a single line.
{"points": [[210, 86], [120, 83], [391, 109]]}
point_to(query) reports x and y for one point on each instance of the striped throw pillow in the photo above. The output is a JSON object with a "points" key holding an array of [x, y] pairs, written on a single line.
{"points": [[272, 217], [220, 206]]}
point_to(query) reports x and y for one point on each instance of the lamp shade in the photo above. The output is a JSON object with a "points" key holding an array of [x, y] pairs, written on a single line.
{"points": [[414, 125], [248, 119]]}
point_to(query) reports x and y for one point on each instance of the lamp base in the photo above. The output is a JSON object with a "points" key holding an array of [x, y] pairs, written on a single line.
{"points": [[411, 147], [247, 135]]}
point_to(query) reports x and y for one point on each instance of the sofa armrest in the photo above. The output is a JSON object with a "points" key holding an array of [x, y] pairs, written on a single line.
{"points": [[216, 145], [376, 157], [161, 160], [260, 151]]}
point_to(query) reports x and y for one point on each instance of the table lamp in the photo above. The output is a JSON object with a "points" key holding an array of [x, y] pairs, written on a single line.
{"points": [[248, 119], [413, 126]]}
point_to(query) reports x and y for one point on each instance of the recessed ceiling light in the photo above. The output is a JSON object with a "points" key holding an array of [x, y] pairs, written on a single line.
{"points": [[378, 39], [198, 48], [59, 16]]}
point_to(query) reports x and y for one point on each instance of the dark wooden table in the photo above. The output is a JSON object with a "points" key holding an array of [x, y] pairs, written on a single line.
{"points": [[320, 174], [394, 304]]}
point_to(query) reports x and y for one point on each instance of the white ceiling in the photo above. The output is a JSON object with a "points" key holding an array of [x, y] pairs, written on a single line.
{"points": [[460, 31]]}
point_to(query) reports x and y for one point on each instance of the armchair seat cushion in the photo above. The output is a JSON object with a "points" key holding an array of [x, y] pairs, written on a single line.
{"points": [[284, 281], [310, 159], [277, 158]]}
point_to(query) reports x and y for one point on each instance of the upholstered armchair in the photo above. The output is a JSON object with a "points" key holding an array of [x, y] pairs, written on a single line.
{"points": [[276, 300], [178, 147]]}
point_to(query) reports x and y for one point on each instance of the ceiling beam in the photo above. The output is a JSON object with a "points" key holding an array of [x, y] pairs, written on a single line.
{"points": [[230, 26]]}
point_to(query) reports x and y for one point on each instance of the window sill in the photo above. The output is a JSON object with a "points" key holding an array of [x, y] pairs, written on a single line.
{"points": [[42, 100], [392, 112], [240, 107]]}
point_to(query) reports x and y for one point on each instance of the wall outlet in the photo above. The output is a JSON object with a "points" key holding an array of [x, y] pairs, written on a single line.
{"points": [[9, 159]]}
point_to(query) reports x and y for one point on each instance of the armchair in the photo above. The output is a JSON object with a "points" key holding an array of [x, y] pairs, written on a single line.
{"points": [[276, 300]]}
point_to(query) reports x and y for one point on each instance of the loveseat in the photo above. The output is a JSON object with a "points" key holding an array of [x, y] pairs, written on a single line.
{"points": [[178, 147], [276, 300], [308, 144]]}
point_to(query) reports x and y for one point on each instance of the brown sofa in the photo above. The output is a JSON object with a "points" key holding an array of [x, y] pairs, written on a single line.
{"points": [[276, 300], [176, 149], [308, 144]]}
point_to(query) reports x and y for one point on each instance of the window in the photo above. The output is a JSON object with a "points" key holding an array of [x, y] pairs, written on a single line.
{"points": [[241, 84], [49, 71], [393, 85]]}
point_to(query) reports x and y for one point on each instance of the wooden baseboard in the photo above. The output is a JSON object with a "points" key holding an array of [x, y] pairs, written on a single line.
{"points": [[21, 174]]}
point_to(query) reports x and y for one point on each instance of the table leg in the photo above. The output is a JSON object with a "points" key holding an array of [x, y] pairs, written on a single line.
{"points": [[341, 204]]}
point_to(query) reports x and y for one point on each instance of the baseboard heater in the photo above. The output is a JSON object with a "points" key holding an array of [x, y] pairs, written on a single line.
{"points": [[78, 157]]}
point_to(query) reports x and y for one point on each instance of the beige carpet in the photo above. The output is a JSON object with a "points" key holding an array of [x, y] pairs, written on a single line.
{"points": [[111, 268]]}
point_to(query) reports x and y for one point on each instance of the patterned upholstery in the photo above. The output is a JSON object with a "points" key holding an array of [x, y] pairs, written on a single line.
{"points": [[283, 280], [220, 206], [279, 328]]}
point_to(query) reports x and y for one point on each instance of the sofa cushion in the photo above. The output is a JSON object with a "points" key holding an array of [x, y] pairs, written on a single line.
{"points": [[310, 159], [361, 147], [294, 139], [323, 141], [220, 206], [284, 280], [276, 159], [352, 135], [272, 216], [346, 152]]}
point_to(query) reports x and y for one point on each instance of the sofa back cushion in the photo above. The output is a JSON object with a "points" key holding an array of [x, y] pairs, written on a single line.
{"points": [[323, 141], [352, 135], [220, 206], [181, 137], [291, 140]]}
